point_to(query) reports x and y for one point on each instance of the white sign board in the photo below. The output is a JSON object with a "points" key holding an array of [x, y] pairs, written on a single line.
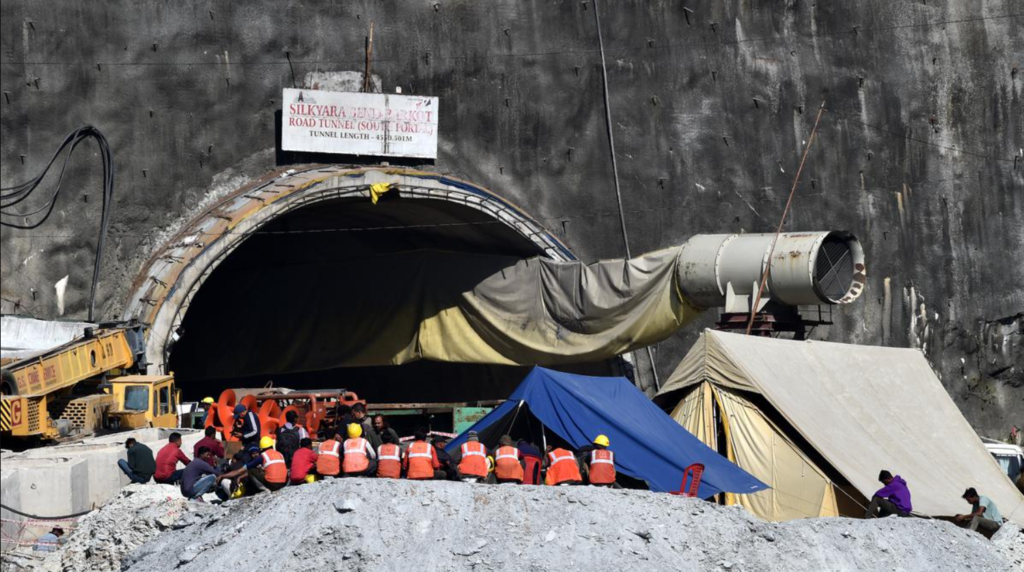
{"points": [[359, 123]]}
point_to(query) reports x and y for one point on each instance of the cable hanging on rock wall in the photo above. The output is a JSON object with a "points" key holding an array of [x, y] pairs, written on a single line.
{"points": [[10, 197]]}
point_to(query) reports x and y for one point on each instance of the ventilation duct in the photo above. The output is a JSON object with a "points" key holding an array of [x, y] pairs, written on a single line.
{"points": [[807, 268]]}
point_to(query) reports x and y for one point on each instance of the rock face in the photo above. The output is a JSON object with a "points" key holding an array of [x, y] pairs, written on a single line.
{"points": [[918, 152], [395, 525]]}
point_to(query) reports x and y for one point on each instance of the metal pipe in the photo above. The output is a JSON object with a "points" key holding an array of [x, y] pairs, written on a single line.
{"points": [[803, 268]]}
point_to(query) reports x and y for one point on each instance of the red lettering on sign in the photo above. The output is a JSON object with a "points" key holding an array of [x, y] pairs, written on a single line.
{"points": [[16, 413], [49, 372]]}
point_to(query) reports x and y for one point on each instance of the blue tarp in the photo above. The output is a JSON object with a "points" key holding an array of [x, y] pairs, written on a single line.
{"points": [[648, 444]]}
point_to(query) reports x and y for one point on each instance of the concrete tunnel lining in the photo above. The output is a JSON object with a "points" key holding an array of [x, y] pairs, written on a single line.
{"points": [[165, 289]]}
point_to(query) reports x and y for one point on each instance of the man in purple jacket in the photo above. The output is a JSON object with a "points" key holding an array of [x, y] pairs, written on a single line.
{"points": [[893, 498]]}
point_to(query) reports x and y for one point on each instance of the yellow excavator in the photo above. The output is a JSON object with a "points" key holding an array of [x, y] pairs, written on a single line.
{"points": [[91, 384]]}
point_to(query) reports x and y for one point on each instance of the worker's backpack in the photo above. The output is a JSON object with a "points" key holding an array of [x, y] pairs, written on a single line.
{"points": [[288, 442]]}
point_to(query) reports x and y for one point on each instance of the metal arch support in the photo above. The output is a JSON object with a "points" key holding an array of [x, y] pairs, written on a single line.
{"points": [[164, 289]]}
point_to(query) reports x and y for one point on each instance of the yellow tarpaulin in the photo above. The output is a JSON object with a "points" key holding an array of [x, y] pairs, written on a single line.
{"points": [[450, 307], [860, 409]]}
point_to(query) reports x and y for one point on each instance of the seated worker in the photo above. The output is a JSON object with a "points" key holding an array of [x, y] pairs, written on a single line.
{"points": [[289, 437], [211, 442], [389, 458], [420, 460], [200, 476], [231, 483], [328, 460], [140, 466], [599, 463], [448, 465], [984, 514], [369, 433], [509, 465], [472, 459], [267, 471], [562, 468], [893, 498], [360, 460], [167, 461], [532, 462], [380, 425], [50, 541], [303, 462]]}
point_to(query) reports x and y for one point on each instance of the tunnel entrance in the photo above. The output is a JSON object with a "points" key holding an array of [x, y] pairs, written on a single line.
{"points": [[295, 299]]}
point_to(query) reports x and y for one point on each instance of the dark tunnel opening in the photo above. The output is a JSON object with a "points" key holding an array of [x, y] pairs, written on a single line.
{"points": [[301, 296]]}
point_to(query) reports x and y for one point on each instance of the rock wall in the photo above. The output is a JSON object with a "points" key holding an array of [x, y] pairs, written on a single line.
{"points": [[918, 151]]}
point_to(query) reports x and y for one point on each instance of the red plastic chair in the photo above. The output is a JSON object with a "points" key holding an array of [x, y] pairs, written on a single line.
{"points": [[694, 472]]}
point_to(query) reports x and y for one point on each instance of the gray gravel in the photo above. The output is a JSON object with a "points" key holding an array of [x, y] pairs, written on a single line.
{"points": [[396, 525], [384, 525]]}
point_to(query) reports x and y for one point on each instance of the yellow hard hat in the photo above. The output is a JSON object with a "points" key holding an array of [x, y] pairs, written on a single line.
{"points": [[310, 479], [602, 440], [239, 491], [208, 400], [355, 430], [266, 443], [490, 464]]}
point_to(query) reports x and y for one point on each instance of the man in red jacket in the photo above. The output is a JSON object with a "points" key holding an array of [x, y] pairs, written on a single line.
{"points": [[210, 442], [167, 461], [303, 461]]}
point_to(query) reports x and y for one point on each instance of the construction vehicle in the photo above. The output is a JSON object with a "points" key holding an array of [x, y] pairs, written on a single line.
{"points": [[91, 384]]}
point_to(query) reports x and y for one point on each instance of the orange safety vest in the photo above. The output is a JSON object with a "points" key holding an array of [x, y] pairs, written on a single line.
{"points": [[421, 461], [328, 461], [355, 460], [474, 460], [389, 461], [563, 468], [602, 467], [506, 464], [274, 468]]}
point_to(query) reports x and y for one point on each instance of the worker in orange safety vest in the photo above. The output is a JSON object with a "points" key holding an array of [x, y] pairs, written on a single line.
{"points": [[509, 465], [472, 459], [562, 467], [328, 461], [360, 460], [420, 461], [269, 471], [389, 458], [599, 463]]}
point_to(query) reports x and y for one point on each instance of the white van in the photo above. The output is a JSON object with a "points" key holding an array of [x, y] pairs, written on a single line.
{"points": [[1010, 459]]}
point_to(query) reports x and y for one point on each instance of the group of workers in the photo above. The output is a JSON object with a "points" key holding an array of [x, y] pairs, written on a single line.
{"points": [[358, 447], [364, 447], [894, 499]]}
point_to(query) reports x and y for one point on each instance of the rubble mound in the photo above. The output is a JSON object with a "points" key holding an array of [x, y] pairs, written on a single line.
{"points": [[100, 540], [1009, 542], [367, 524]]}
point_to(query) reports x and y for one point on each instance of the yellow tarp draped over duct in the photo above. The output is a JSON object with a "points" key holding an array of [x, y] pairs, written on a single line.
{"points": [[449, 307]]}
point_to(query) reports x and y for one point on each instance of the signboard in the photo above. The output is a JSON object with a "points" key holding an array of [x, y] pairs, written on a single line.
{"points": [[359, 123]]}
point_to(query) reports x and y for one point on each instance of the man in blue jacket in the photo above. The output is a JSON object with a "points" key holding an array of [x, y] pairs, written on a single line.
{"points": [[893, 498]]}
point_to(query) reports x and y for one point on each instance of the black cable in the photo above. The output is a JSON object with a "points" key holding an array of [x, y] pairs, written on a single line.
{"points": [[37, 517], [11, 196]]}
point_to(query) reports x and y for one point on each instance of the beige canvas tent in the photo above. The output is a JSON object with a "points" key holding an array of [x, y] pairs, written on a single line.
{"points": [[803, 415]]}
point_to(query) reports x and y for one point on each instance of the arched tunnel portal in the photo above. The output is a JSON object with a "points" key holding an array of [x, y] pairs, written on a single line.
{"points": [[282, 281]]}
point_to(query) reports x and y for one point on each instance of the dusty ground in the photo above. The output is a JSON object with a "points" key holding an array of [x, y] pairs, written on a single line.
{"points": [[395, 525]]}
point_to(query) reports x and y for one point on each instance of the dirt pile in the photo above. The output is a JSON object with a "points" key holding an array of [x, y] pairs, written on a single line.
{"points": [[1009, 542], [396, 525], [101, 539]]}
